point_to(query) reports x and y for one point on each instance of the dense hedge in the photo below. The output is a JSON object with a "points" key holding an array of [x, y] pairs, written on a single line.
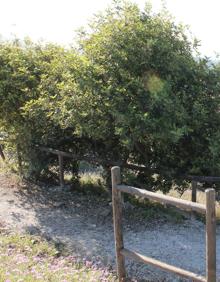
{"points": [[134, 90]]}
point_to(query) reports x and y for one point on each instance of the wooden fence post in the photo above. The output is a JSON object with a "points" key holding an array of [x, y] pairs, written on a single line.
{"points": [[210, 236], [117, 219], [2, 153], [61, 173], [194, 190], [20, 168]]}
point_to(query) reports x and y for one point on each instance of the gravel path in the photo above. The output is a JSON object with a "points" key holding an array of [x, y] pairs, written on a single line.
{"points": [[84, 224]]}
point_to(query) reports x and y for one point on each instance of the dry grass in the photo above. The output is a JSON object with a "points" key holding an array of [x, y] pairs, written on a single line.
{"points": [[200, 198], [91, 178]]}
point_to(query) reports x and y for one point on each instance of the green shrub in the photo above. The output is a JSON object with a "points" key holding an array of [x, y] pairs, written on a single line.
{"points": [[133, 91]]}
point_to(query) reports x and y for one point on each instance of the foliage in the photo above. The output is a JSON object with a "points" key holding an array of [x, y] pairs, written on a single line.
{"points": [[133, 91], [31, 77], [146, 96]]}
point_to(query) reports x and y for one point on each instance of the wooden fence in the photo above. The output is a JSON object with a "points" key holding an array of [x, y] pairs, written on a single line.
{"points": [[121, 253], [2, 153], [200, 179], [61, 154]]}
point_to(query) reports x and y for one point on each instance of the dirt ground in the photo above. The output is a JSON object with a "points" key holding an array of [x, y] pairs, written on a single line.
{"points": [[83, 224]]}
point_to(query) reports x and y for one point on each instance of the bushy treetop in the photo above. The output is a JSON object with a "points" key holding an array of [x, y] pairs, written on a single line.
{"points": [[132, 91]]}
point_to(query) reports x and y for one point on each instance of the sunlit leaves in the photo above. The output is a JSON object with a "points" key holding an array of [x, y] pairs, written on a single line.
{"points": [[131, 91]]}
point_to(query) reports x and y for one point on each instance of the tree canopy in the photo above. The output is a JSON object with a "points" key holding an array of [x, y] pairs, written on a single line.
{"points": [[133, 91]]}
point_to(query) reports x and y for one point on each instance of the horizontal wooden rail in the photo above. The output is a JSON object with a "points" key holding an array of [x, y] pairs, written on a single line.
{"points": [[147, 260], [208, 179], [208, 209], [126, 165], [79, 157], [95, 160], [183, 204], [57, 152]]}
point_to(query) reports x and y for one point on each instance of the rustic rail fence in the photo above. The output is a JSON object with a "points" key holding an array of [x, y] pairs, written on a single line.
{"points": [[61, 154], [121, 253], [200, 179]]}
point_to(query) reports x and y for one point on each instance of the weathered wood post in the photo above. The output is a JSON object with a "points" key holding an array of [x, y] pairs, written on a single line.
{"points": [[117, 220], [194, 190], [61, 173], [20, 168], [210, 236], [2, 153]]}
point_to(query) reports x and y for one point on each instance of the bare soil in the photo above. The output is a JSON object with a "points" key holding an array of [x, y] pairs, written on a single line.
{"points": [[82, 222]]}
